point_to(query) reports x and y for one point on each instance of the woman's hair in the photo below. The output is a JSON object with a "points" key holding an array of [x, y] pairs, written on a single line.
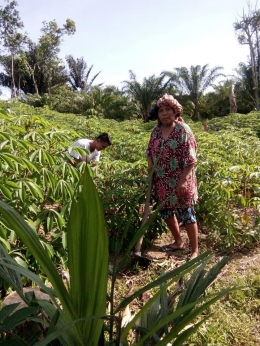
{"points": [[153, 114], [104, 137], [165, 100], [169, 100]]}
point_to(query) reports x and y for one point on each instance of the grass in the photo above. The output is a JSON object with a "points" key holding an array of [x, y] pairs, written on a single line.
{"points": [[234, 320]]}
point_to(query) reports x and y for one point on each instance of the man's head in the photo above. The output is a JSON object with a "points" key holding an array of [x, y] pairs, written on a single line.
{"points": [[102, 141]]}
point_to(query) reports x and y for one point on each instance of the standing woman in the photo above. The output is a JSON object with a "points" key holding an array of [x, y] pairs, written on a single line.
{"points": [[172, 149]]}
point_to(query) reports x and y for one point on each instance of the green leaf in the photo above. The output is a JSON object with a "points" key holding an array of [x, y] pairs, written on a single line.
{"points": [[11, 184], [88, 254], [5, 243], [59, 219], [64, 240], [34, 189], [9, 275], [6, 192], [30, 239], [7, 310], [19, 316], [29, 165], [10, 159], [20, 261]]}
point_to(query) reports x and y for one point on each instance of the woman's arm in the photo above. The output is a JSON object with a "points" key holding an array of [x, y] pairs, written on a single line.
{"points": [[150, 163], [182, 184]]}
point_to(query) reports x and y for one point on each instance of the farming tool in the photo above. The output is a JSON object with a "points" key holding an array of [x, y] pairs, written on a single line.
{"points": [[137, 250]]}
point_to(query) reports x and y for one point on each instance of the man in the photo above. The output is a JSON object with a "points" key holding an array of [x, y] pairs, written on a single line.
{"points": [[93, 146]]}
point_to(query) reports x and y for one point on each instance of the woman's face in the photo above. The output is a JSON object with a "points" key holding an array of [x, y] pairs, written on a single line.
{"points": [[166, 115]]}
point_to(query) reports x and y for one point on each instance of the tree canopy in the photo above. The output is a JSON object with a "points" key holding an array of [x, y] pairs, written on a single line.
{"points": [[35, 72]]}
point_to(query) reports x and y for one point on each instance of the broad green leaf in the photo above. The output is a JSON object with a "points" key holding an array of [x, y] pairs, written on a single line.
{"points": [[10, 159], [176, 274], [19, 316], [29, 165], [11, 184], [34, 189], [7, 310], [88, 258]]}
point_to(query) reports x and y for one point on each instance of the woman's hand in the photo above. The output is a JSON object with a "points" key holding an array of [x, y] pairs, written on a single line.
{"points": [[181, 188]]}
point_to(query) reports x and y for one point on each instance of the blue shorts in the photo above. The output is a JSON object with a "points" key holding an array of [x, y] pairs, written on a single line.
{"points": [[186, 215]]}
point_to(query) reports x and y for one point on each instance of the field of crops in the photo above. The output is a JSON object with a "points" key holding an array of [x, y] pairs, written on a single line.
{"points": [[37, 181]]}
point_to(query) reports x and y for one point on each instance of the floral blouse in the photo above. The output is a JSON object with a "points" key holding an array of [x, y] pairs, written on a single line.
{"points": [[170, 156]]}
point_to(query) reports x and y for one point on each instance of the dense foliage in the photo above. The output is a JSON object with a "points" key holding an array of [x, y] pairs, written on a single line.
{"points": [[38, 182]]}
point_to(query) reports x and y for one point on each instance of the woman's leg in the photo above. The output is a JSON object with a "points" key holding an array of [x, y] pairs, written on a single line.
{"points": [[192, 231], [173, 226]]}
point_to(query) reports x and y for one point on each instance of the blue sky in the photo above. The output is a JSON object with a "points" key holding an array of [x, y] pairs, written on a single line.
{"points": [[146, 36]]}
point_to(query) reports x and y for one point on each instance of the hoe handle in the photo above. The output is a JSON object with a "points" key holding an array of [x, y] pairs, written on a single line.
{"points": [[145, 215]]}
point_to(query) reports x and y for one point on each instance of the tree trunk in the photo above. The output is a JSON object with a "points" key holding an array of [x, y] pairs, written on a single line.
{"points": [[232, 100], [254, 75], [34, 81], [13, 88], [195, 115], [253, 66], [258, 59]]}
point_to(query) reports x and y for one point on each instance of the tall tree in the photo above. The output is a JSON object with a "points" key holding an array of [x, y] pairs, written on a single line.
{"points": [[232, 99], [10, 37], [79, 73], [37, 67], [41, 59], [247, 30], [14, 73], [193, 82], [244, 88], [146, 93]]}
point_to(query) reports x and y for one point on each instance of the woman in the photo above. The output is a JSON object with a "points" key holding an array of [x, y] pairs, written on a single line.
{"points": [[172, 149]]}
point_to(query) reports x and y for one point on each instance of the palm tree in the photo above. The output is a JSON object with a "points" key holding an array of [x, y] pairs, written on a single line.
{"points": [[79, 73], [244, 88], [247, 32], [146, 93], [193, 82]]}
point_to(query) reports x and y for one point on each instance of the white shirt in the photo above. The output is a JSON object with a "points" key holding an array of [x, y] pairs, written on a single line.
{"points": [[85, 144]]}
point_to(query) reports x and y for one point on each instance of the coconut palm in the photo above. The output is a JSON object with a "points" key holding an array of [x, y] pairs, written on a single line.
{"points": [[79, 73], [193, 82], [146, 93]]}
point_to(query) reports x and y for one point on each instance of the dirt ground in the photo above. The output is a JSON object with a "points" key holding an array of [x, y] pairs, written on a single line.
{"points": [[241, 262], [155, 252]]}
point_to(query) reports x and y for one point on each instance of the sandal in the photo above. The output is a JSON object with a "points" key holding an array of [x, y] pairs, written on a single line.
{"points": [[171, 248]]}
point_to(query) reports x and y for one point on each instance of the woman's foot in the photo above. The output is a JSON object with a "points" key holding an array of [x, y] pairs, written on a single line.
{"points": [[173, 247], [194, 255]]}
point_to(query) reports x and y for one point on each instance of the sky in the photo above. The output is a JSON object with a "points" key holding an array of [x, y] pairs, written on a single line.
{"points": [[145, 36]]}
